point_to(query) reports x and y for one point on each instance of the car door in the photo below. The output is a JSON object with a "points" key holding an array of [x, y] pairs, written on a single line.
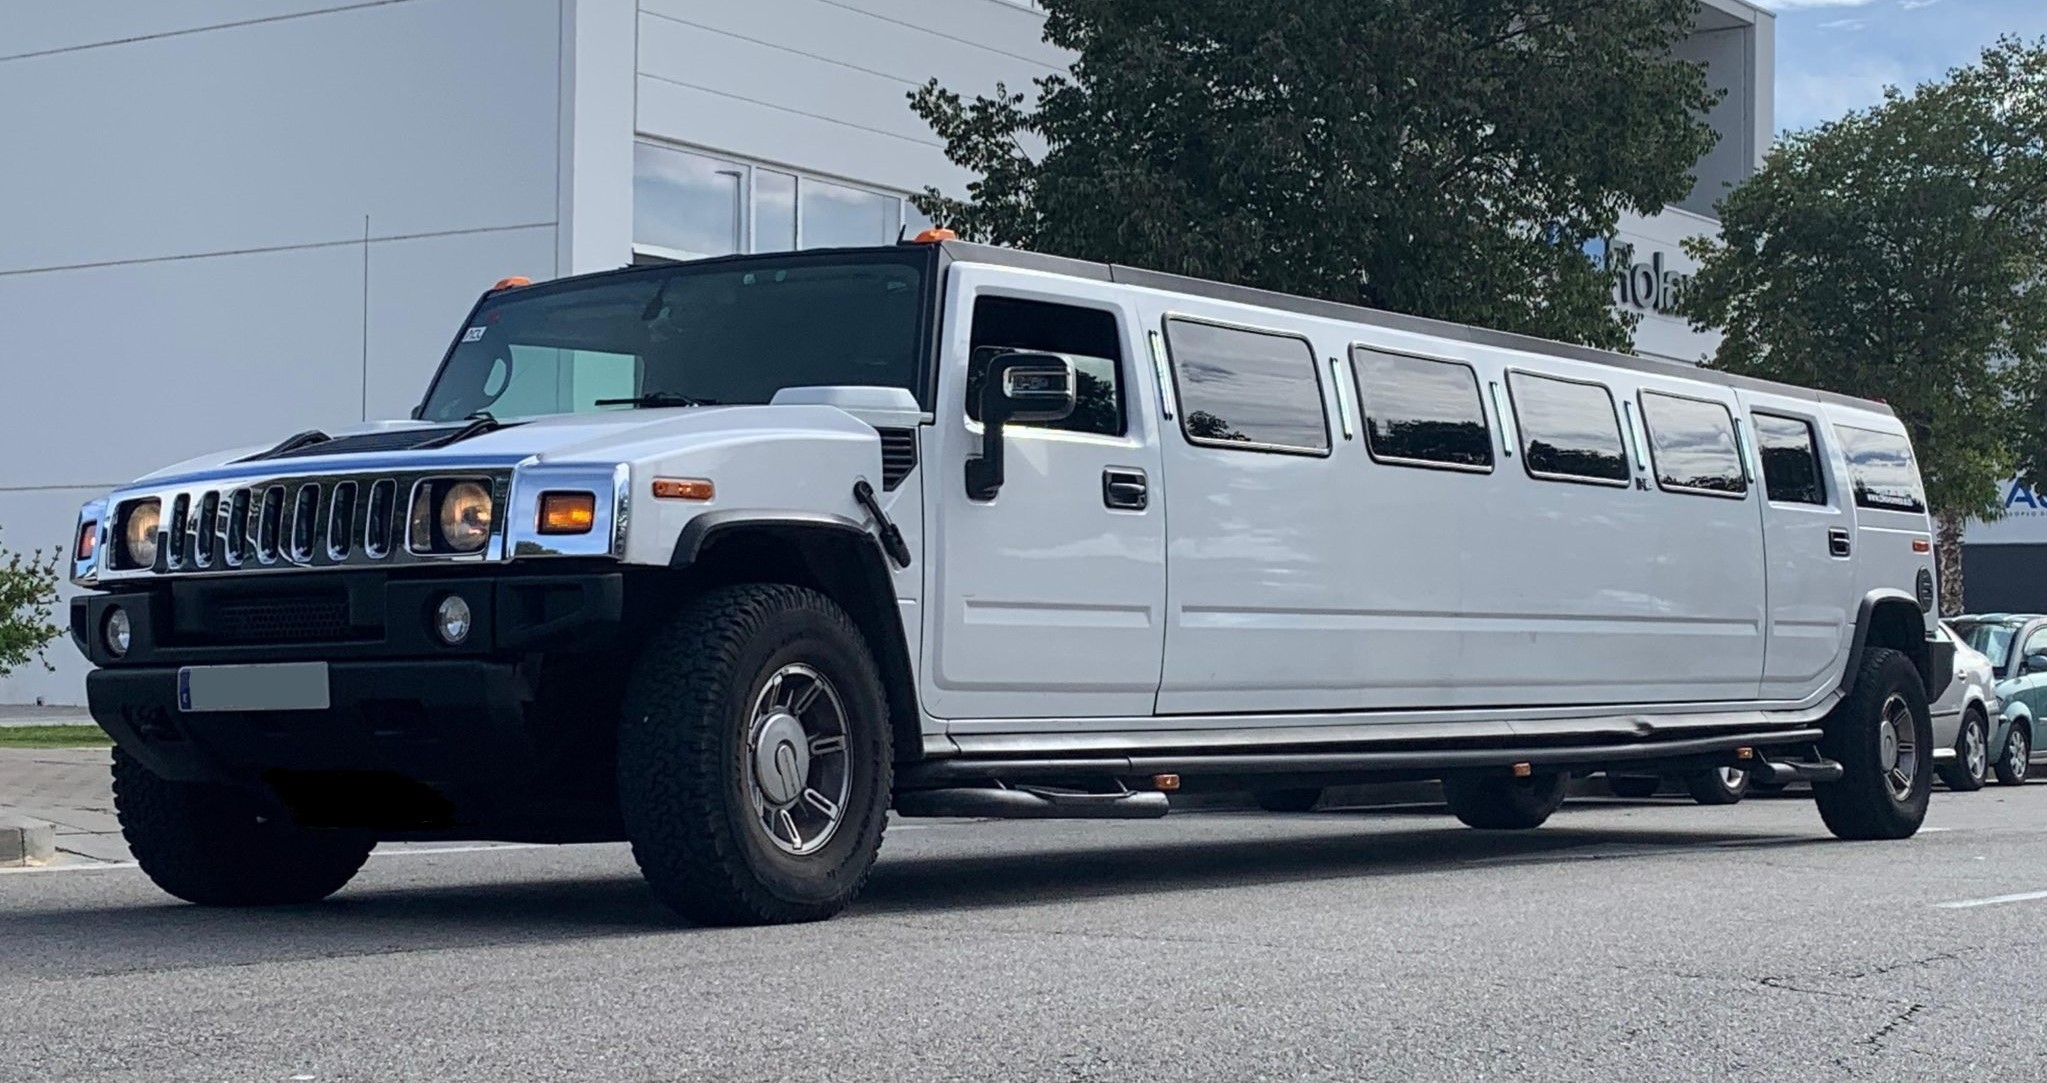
{"points": [[1806, 545], [2030, 687], [1046, 601]]}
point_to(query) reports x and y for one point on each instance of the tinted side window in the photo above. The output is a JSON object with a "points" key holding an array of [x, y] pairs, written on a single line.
{"points": [[1692, 444], [1421, 411], [1881, 468], [1088, 336], [1791, 460], [1252, 388], [1569, 430]]}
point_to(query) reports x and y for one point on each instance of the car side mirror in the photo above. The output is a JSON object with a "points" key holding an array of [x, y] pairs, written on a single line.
{"points": [[1020, 386], [2036, 662]]}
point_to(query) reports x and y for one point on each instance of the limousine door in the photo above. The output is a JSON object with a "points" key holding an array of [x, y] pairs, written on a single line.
{"points": [[1046, 600], [1807, 545]]}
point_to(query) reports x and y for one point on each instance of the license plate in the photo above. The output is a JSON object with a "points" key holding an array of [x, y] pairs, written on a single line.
{"points": [[288, 686]]}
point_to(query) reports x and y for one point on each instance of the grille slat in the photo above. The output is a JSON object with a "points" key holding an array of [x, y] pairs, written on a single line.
{"points": [[898, 455]]}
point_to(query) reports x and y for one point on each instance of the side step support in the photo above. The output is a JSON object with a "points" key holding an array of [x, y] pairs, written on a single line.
{"points": [[1783, 772], [1033, 803]]}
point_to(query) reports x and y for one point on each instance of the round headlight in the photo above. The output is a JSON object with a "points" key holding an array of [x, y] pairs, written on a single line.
{"points": [[139, 533], [452, 619], [118, 634], [465, 517]]}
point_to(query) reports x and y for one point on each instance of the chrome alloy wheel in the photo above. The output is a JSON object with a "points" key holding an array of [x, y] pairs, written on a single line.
{"points": [[1898, 751], [796, 769], [1731, 777], [2021, 753], [1975, 749]]}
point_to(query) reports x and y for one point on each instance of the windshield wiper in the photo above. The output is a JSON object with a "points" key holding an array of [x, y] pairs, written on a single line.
{"points": [[653, 399], [480, 422]]}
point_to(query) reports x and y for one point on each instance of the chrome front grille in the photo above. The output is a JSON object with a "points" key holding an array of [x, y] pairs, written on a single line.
{"points": [[312, 521]]}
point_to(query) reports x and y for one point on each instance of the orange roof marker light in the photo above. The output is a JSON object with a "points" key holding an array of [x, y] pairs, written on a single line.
{"points": [[512, 283], [933, 236]]}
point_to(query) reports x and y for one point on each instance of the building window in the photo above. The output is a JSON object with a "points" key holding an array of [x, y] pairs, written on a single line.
{"points": [[688, 205], [1242, 388], [1791, 460], [1692, 444], [1569, 429], [1422, 412]]}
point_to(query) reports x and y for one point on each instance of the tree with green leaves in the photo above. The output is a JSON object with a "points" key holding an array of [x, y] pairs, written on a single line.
{"points": [[28, 597], [1898, 253], [1444, 158]]}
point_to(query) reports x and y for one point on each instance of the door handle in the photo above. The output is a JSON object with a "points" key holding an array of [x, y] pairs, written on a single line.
{"points": [[1837, 542], [1125, 489]]}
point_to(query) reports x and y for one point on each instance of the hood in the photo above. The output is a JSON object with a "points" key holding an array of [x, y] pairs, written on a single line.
{"points": [[610, 436]]}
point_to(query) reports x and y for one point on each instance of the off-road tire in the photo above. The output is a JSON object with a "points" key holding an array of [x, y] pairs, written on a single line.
{"points": [[1957, 774], [1296, 800], [1861, 804], [1635, 786], [1708, 788], [1501, 803], [2013, 759], [683, 733], [221, 846]]}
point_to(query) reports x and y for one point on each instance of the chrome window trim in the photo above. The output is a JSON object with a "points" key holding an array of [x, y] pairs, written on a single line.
{"points": [[1365, 414], [1613, 406]]}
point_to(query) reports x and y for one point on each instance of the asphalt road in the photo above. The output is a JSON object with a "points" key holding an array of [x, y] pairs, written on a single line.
{"points": [[1624, 941]]}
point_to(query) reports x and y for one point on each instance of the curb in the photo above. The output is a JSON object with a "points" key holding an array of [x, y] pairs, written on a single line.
{"points": [[25, 842]]}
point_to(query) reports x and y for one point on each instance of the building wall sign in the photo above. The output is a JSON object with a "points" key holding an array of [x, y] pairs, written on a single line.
{"points": [[2024, 521], [1647, 285]]}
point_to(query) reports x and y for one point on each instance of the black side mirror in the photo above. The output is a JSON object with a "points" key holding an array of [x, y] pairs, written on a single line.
{"points": [[2036, 662], [1018, 387]]}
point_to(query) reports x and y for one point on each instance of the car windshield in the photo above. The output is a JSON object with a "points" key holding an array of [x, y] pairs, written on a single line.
{"points": [[725, 332], [1988, 638]]}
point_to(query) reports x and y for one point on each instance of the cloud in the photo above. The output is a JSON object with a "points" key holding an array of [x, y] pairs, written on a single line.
{"points": [[1914, 5], [1844, 24], [1811, 94]]}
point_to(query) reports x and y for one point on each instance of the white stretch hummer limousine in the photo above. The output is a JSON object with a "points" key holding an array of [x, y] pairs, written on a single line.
{"points": [[730, 558]]}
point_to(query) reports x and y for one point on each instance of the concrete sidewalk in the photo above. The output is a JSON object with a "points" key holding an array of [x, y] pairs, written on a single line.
{"points": [[69, 788]]}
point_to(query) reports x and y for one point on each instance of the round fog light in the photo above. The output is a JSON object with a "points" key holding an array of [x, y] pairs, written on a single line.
{"points": [[451, 619], [118, 632]]}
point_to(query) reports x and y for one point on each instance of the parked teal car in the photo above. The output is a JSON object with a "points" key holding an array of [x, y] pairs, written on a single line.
{"points": [[2016, 644]]}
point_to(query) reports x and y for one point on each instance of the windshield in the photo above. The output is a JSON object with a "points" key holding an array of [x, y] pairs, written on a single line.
{"points": [[726, 332], [1991, 640]]}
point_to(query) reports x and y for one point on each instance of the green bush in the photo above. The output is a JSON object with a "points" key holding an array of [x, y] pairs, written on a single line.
{"points": [[28, 597]]}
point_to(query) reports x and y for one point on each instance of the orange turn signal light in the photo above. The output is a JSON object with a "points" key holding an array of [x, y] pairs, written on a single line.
{"points": [[1921, 545], [88, 541], [684, 489], [567, 513], [933, 236], [1524, 770], [512, 283], [1165, 783], [1744, 753]]}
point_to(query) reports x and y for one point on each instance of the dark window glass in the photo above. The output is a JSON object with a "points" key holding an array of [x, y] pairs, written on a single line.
{"points": [[1568, 429], [1692, 444], [1088, 336], [1422, 411], [1791, 460], [732, 332], [1880, 465], [1247, 387]]}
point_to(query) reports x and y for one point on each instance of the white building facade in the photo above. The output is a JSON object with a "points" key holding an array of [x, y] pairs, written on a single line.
{"points": [[224, 221]]}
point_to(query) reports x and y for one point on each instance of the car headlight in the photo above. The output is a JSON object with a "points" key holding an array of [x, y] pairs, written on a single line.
{"points": [[465, 517], [138, 532]]}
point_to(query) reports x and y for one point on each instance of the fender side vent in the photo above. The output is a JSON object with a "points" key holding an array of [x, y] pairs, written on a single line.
{"points": [[898, 456]]}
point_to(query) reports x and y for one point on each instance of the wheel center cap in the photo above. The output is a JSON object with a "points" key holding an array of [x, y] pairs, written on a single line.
{"points": [[1889, 753], [781, 758]]}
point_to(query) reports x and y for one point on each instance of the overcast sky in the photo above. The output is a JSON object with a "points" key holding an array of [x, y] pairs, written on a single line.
{"points": [[1837, 55]]}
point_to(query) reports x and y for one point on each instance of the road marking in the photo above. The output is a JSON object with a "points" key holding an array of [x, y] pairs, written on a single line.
{"points": [[477, 849], [1994, 900], [92, 867]]}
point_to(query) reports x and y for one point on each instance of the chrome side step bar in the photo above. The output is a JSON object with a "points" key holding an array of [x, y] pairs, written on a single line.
{"points": [[1033, 803]]}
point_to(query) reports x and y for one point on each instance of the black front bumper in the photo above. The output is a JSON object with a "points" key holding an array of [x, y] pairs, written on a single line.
{"points": [[492, 712]]}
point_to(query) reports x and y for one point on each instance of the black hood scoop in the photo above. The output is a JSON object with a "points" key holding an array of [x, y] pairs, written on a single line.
{"points": [[307, 444]]}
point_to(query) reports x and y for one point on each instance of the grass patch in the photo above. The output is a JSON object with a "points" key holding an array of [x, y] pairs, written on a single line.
{"points": [[53, 737]]}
